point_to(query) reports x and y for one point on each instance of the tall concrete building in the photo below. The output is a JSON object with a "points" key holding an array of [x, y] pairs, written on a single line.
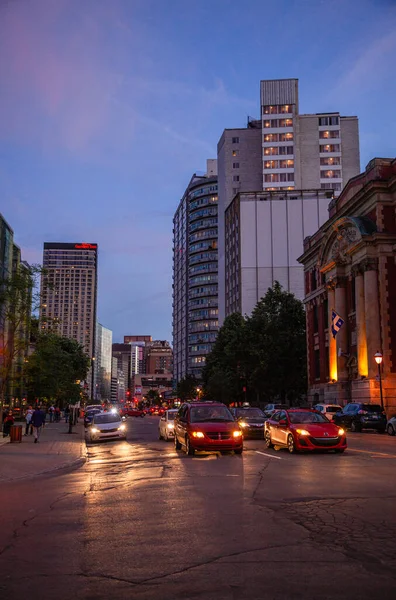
{"points": [[159, 358], [69, 294], [195, 304], [103, 364], [123, 354], [283, 151]]}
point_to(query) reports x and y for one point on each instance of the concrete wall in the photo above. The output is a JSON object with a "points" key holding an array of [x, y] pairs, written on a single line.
{"points": [[350, 148]]}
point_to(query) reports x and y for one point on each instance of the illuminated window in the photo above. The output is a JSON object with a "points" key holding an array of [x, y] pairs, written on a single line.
{"points": [[271, 137], [329, 134], [330, 148], [286, 164], [271, 164], [271, 151]]}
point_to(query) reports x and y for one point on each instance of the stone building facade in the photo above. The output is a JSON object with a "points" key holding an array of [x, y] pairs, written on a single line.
{"points": [[350, 266]]}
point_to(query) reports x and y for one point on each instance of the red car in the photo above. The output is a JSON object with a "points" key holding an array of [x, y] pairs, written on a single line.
{"points": [[207, 426], [135, 412], [301, 429]]}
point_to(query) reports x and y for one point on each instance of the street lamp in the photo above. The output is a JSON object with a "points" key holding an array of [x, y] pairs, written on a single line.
{"points": [[378, 360]]}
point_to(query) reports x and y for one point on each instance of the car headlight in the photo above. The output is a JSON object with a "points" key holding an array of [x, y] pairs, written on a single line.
{"points": [[243, 424], [95, 430], [341, 431], [237, 434], [198, 434], [170, 425], [122, 427], [302, 432]]}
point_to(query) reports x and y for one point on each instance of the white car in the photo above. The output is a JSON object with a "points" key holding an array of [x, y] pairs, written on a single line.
{"points": [[166, 427], [106, 426], [328, 410], [391, 426]]}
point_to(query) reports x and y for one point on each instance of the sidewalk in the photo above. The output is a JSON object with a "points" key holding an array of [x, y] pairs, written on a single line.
{"points": [[57, 449]]}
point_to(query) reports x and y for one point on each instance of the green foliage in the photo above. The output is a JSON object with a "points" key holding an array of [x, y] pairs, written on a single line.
{"points": [[264, 353], [153, 397], [186, 388], [55, 367]]}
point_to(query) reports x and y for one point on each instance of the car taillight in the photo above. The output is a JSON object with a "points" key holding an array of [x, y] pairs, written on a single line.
{"points": [[362, 412]]}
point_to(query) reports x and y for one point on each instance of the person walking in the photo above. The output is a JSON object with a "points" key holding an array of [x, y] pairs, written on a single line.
{"points": [[57, 414], [28, 418], [8, 421], [51, 413], [38, 418], [67, 413]]}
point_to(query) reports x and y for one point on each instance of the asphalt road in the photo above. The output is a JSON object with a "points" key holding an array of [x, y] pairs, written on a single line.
{"points": [[144, 522]]}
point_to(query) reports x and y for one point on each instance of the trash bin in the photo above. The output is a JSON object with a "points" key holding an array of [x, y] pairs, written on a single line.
{"points": [[16, 433]]}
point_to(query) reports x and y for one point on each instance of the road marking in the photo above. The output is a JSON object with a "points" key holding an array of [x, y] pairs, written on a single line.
{"points": [[269, 455], [371, 452]]}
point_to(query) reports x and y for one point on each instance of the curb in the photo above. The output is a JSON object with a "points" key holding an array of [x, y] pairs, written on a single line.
{"points": [[76, 463]]}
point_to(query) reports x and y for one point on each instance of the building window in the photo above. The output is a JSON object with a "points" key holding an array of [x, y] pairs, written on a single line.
{"points": [[286, 177], [271, 137], [271, 164], [235, 178], [271, 177], [235, 153], [235, 140], [234, 191], [286, 164], [235, 165], [330, 174], [286, 150], [286, 123], [271, 151], [325, 121], [317, 364], [331, 160], [331, 186], [326, 135], [330, 148], [286, 137]]}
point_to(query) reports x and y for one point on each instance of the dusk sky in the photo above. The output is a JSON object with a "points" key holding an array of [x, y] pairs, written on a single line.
{"points": [[109, 106]]}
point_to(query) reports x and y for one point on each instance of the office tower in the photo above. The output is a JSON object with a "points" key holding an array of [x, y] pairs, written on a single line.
{"points": [[159, 357], [283, 151], [69, 294], [195, 291], [103, 364], [138, 343], [123, 354]]}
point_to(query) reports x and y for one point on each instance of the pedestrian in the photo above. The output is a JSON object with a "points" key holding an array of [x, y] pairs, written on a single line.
{"points": [[57, 414], [67, 413], [28, 418], [38, 419], [8, 421], [51, 413]]}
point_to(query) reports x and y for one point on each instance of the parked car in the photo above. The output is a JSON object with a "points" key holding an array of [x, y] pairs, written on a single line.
{"points": [[328, 410], [251, 421], [135, 412], [269, 409], [106, 426], [300, 429], [391, 426], [357, 416], [166, 425], [89, 415], [207, 426]]}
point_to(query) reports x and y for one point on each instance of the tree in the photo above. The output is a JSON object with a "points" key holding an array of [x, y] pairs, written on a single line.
{"points": [[153, 397], [226, 369], [277, 346], [55, 369], [186, 388]]}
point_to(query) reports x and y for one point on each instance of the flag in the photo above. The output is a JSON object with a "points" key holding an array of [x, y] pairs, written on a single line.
{"points": [[336, 322]]}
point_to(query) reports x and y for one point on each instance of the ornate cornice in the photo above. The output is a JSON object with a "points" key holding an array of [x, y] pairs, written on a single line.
{"points": [[369, 264]]}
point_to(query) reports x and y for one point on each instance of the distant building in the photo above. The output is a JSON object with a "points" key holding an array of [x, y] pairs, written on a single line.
{"points": [[283, 151], [195, 277], [103, 364], [159, 358], [350, 267], [151, 381], [123, 354], [69, 294], [264, 235]]}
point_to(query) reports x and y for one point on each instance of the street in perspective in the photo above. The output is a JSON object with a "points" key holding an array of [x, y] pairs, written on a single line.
{"points": [[197, 300]]}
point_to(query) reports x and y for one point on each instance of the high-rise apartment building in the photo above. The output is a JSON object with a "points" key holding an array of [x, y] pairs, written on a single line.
{"points": [[159, 358], [123, 354], [103, 364], [283, 151], [69, 294], [195, 312]]}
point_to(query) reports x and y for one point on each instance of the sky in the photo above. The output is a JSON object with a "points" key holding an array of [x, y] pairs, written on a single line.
{"points": [[108, 107]]}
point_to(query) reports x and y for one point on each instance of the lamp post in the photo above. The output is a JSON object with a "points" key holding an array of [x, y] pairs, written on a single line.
{"points": [[378, 360]]}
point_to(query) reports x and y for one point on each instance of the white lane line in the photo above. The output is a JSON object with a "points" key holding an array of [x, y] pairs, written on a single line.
{"points": [[269, 455]]}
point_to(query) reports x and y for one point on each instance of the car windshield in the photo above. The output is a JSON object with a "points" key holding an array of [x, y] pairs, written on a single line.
{"points": [[372, 407], [306, 417], [107, 418], [250, 413], [201, 414], [171, 415], [333, 409], [91, 413]]}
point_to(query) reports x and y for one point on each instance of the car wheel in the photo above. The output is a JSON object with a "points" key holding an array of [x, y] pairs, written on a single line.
{"points": [[390, 430], [238, 451], [142, 415], [189, 450], [267, 437], [159, 435], [177, 443], [355, 427], [290, 444], [340, 451]]}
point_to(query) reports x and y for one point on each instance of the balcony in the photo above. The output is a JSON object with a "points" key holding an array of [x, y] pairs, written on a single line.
{"points": [[203, 258]]}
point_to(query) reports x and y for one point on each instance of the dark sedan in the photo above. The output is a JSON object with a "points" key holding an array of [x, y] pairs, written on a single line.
{"points": [[89, 415], [251, 421], [357, 416]]}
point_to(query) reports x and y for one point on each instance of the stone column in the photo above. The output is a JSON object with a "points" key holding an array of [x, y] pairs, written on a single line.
{"points": [[332, 342], [361, 339], [371, 305], [342, 335]]}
